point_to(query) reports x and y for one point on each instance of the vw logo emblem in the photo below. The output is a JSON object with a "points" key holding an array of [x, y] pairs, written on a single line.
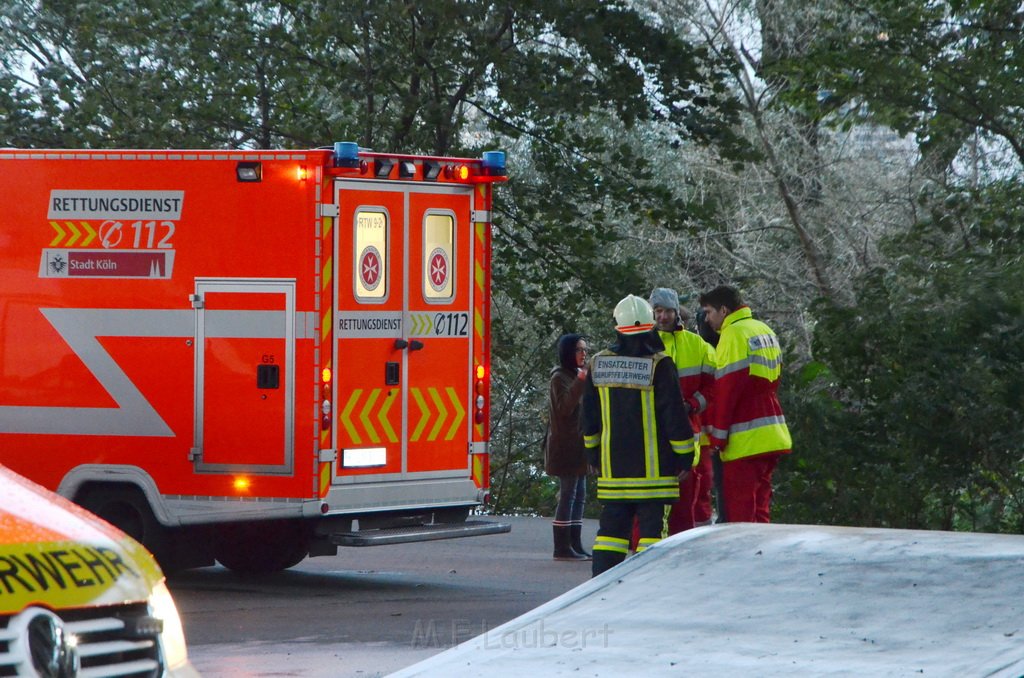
{"points": [[45, 644]]}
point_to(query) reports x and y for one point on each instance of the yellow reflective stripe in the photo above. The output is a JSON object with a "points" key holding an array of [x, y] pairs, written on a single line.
{"points": [[657, 481], [606, 432], [682, 446], [614, 544], [650, 433], [664, 494], [646, 543], [770, 438], [592, 440]]}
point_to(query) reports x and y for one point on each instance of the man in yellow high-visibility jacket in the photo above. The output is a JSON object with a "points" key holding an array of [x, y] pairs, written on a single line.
{"points": [[747, 427]]}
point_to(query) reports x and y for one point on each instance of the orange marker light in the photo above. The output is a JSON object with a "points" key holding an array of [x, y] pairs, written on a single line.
{"points": [[241, 484], [462, 172], [326, 375], [480, 371], [301, 173]]}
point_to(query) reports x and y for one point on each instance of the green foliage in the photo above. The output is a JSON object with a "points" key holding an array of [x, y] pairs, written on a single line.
{"points": [[629, 166], [939, 70], [918, 416]]}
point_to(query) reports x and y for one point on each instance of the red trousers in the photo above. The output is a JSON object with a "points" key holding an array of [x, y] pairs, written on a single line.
{"points": [[747, 488], [694, 505]]}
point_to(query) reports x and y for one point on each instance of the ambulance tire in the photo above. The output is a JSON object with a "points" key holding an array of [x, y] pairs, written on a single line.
{"points": [[125, 507], [262, 547]]}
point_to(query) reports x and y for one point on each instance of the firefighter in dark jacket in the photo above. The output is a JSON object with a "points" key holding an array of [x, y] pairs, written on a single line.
{"points": [[637, 433]]}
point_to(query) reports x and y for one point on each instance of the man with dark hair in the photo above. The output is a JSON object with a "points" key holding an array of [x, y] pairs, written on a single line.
{"points": [[747, 427], [636, 431]]}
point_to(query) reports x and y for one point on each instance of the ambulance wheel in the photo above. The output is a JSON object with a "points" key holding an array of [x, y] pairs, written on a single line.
{"points": [[126, 508], [261, 547]]}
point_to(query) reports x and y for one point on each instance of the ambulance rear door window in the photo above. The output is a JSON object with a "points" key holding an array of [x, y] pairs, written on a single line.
{"points": [[438, 257], [371, 253]]}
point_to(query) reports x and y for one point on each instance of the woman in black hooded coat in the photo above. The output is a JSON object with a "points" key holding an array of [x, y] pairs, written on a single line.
{"points": [[564, 455]]}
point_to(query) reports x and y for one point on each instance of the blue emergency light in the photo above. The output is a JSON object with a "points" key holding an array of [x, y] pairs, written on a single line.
{"points": [[346, 154], [494, 163]]}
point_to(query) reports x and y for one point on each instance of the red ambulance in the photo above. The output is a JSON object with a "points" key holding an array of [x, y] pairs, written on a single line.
{"points": [[252, 356]]}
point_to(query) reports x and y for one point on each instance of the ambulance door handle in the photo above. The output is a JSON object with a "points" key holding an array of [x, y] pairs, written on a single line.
{"points": [[415, 345], [400, 344]]}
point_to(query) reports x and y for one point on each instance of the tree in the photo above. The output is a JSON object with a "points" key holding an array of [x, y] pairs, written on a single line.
{"points": [[922, 366]]}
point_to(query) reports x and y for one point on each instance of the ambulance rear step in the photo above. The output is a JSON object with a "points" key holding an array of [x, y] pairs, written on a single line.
{"points": [[405, 535]]}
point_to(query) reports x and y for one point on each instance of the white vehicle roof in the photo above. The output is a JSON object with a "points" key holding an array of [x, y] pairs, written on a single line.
{"points": [[775, 600]]}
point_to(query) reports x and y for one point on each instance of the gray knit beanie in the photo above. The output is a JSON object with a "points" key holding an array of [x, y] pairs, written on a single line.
{"points": [[665, 297]]}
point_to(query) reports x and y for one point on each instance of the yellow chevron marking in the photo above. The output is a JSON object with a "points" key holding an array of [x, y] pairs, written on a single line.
{"points": [[364, 415], [325, 478], [328, 225], [479, 275], [460, 412], [346, 414], [424, 414], [60, 234], [325, 328], [382, 416], [478, 470], [90, 233], [478, 323], [442, 413], [422, 324], [325, 276], [75, 232]]}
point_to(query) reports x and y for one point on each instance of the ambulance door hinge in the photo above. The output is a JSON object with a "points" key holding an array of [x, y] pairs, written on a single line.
{"points": [[481, 216], [328, 456], [329, 210], [196, 299], [195, 454]]}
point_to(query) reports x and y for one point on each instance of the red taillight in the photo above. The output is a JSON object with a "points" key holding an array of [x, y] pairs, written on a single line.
{"points": [[456, 172], [325, 403], [480, 393]]}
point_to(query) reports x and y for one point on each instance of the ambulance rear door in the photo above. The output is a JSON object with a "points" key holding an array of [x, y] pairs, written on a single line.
{"points": [[403, 330]]}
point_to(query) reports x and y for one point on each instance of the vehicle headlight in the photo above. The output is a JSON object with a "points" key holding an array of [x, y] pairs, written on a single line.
{"points": [[162, 607]]}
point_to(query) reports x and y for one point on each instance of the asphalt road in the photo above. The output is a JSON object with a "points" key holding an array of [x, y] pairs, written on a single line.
{"points": [[369, 611]]}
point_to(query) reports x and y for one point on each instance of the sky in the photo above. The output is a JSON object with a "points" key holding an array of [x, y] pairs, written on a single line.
{"points": [[775, 600]]}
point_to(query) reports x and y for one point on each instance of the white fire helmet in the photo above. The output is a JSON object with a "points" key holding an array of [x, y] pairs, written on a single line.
{"points": [[633, 315]]}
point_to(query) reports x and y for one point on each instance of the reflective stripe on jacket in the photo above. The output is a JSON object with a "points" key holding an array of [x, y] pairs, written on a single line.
{"points": [[746, 419], [695, 362], [634, 427]]}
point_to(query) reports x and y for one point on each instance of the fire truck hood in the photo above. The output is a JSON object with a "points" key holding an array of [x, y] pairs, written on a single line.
{"points": [[56, 554]]}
